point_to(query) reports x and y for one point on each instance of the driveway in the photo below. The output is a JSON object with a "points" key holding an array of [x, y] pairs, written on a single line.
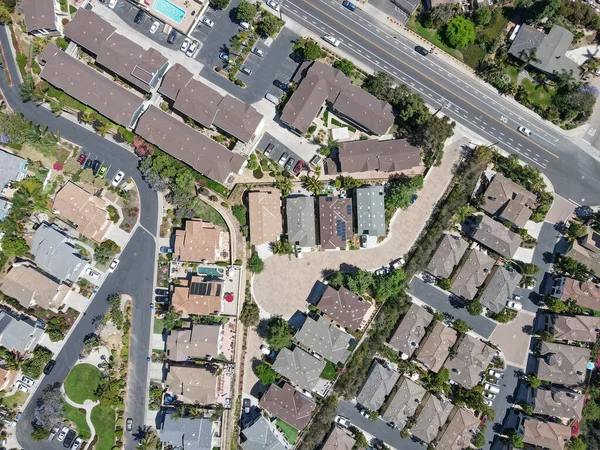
{"points": [[285, 284]]}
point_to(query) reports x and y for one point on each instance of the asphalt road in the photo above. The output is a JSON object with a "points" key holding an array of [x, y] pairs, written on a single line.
{"points": [[134, 276], [471, 103]]}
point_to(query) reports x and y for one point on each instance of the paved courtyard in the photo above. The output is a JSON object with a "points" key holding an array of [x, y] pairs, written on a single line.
{"points": [[513, 338], [285, 284]]}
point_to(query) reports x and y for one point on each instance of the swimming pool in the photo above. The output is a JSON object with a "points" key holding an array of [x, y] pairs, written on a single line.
{"points": [[211, 271], [168, 9]]}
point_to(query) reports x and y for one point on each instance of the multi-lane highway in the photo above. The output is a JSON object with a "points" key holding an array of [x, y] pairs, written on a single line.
{"points": [[574, 174]]}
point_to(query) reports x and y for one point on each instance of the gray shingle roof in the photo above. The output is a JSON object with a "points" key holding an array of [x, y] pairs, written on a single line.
{"points": [[434, 414], [12, 168], [562, 364], [300, 367], [288, 404], [53, 252], [470, 361], [510, 201], [559, 403], [411, 330], [260, 436], [300, 218], [370, 210], [17, 334], [324, 338], [189, 434], [458, 433], [447, 255], [500, 288], [472, 274], [435, 348], [377, 387], [496, 236], [407, 399]]}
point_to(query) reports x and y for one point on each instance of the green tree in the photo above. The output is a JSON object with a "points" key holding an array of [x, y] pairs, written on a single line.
{"points": [[345, 65], [527, 408], [311, 51], [546, 336], [474, 308], [285, 186], [431, 137], [555, 305], [34, 366], [245, 11], [460, 32], [171, 319], [269, 26], [255, 263], [575, 230], [482, 16], [478, 440], [461, 326], [15, 127], [105, 251], [27, 87], [39, 433], [530, 269], [577, 444], [515, 440], [250, 315], [379, 85], [278, 333], [412, 110], [361, 440], [282, 247], [359, 282], [591, 410], [438, 382], [266, 375], [312, 184], [533, 381], [14, 246], [542, 9], [566, 265], [401, 190], [445, 284], [389, 284], [219, 4]]}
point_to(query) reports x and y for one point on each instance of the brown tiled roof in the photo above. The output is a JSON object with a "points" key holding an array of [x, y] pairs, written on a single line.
{"points": [[562, 364], [379, 384], [471, 360], [393, 155], [434, 414], [510, 201], [86, 211], [405, 402], [188, 145], [585, 293], [29, 286], [89, 30], [496, 236], [197, 296], [288, 404], [472, 274], [192, 384], [411, 330], [339, 439], [436, 347], [447, 255], [335, 219], [174, 80], [548, 435], [89, 86], [39, 14], [237, 118], [457, 435], [198, 101], [305, 103], [199, 341], [587, 250], [198, 241], [559, 403], [264, 210], [575, 328], [344, 306]]}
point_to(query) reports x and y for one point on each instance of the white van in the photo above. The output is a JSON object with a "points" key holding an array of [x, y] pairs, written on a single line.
{"points": [[491, 388], [272, 98], [333, 41], [245, 26]]}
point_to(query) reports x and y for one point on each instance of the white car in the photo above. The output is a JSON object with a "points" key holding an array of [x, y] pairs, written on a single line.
{"points": [[209, 23], [398, 263], [257, 51], [155, 26], [27, 381], [333, 41], [77, 444], [514, 305], [489, 395], [365, 413], [343, 421], [113, 265], [490, 387], [22, 387], [191, 49], [117, 179], [245, 26], [488, 402], [62, 434], [496, 374], [185, 44], [273, 5], [525, 131], [112, 4], [92, 273]]}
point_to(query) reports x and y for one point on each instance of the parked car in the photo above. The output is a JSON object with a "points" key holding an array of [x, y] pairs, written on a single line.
{"points": [[487, 402], [491, 388], [161, 291], [257, 51], [185, 44], [489, 396], [172, 36], [112, 4], [95, 166], [63, 434], [272, 98], [154, 27], [77, 444], [69, 439], [413, 199], [92, 273], [349, 5], [525, 131], [245, 26], [281, 85], [102, 171], [81, 159], [343, 421], [365, 413], [298, 167], [274, 5], [422, 50], [192, 49], [49, 367], [209, 23], [269, 149], [161, 299], [26, 380], [363, 240], [496, 374], [514, 305], [247, 404], [53, 432], [331, 40], [23, 388], [289, 164], [117, 179], [113, 265], [224, 57], [398, 263], [129, 424], [315, 160], [166, 250], [245, 70], [516, 297], [139, 16], [283, 158]]}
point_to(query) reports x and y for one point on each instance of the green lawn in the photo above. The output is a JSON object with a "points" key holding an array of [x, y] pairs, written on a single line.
{"points": [[82, 382], [432, 36], [206, 212], [539, 95], [16, 399], [290, 432], [103, 419], [329, 371], [159, 326], [78, 418], [513, 72]]}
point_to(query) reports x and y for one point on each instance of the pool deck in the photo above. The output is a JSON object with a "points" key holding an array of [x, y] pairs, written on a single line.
{"points": [[193, 8]]}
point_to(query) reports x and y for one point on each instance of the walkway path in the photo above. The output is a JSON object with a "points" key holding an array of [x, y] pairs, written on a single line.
{"points": [[286, 282], [88, 405]]}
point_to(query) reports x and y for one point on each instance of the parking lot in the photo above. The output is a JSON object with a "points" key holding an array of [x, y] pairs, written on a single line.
{"points": [[111, 171], [278, 149]]}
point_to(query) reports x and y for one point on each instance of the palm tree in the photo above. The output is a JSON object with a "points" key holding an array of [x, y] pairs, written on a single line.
{"points": [[285, 186], [564, 78], [282, 247], [236, 44], [195, 411], [528, 58], [13, 360], [312, 184], [149, 442], [180, 410]]}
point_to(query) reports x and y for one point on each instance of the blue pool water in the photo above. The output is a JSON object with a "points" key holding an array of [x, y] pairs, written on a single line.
{"points": [[168, 9], [211, 271]]}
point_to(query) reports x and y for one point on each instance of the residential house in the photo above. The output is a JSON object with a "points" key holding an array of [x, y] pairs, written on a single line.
{"points": [[86, 84], [175, 79], [556, 402], [197, 341], [345, 307], [405, 402], [573, 328], [432, 417], [41, 17], [500, 288], [544, 434], [339, 439], [288, 404], [259, 436], [89, 30], [412, 329], [320, 83], [85, 211], [300, 367], [378, 385], [199, 241], [545, 52], [472, 274], [447, 256], [30, 287], [187, 433], [198, 296], [562, 364], [192, 384], [508, 201], [472, 358], [457, 434], [495, 236], [5, 206], [53, 252], [18, 335], [264, 211], [584, 293], [335, 218], [370, 210], [435, 349], [12, 168], [300, 218], [324, 338], [393, 156], [586, 250]]}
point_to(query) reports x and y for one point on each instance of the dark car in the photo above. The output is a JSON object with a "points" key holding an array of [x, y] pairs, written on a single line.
{"points": [[96, 166], [81, 159], [161, 291], [171, 37], [49, 367], [422, 50], [161, 299], [69, 439], [413, 199], [349, 5], [139, 16], [281, 85], [166, 250], [269, 149], [247, 405], [298, 167]]}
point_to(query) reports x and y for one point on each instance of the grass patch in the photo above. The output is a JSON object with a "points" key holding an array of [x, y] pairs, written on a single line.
{"points": [[328, 372], [103, 419], [473, 54], [539, 95], [17, 398], [432, 36], [159, 326], [208, 213], [211, 184], [513, 72], [78, 418], [82, 382], [290, 432]]}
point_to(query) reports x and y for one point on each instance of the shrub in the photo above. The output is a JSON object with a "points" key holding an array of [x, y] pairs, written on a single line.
{"points": [[255, 263]]}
